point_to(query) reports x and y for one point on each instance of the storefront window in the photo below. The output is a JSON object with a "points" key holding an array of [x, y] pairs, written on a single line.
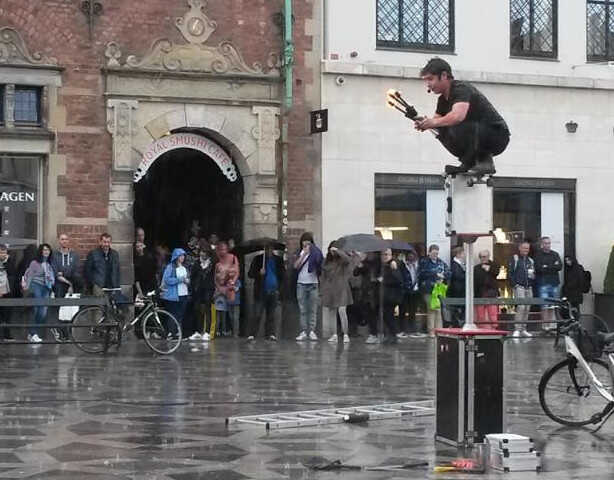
{"points": [[19, 200], [516, 217], [525, 209], [400, 214]]}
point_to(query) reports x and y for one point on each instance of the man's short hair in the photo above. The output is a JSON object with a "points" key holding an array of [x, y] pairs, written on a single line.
{"points": [[434, 246], [437, 66], [544, 238], [106, 235], [4, 247]]}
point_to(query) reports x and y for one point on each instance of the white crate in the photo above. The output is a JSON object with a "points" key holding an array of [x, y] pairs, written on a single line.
{"points": [[469, 210]]}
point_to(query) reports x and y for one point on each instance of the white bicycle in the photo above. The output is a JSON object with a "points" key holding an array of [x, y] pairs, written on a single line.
{"points": [[578, 391]]}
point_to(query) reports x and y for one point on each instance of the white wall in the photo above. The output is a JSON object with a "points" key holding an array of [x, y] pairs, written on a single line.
{"points": [[482, 36], [365, 137]]}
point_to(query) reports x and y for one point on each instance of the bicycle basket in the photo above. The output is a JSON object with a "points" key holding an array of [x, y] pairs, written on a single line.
{"points": [[589, 344]]}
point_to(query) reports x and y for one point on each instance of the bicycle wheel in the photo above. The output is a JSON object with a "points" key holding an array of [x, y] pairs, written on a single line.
{"points": [[161, 331], [87, 330], [568, 396]]}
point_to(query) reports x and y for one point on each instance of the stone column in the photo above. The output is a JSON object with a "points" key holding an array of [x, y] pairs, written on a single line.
{"points": [[261, 197], [9, 105], [120, 124], [266, 133]]}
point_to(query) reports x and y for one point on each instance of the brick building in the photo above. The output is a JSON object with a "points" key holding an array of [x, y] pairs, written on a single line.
{"points": [[161, 114]]}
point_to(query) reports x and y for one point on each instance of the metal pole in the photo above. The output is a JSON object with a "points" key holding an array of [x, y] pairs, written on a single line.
{"points": [[469, 291]]}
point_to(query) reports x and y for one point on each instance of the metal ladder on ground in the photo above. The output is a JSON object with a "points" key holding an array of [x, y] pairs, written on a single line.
{"points": [[310, 418]]}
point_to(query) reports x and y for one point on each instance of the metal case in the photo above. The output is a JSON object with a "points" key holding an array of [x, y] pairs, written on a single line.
{"points": [[469, 210], [470, 390]]}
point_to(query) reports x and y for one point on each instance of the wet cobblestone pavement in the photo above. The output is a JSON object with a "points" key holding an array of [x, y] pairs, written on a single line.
{"points": [[132, 415]]}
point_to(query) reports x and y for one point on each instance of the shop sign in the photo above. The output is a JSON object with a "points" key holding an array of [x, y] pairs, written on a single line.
{"points": [[186, 140], [17, 197]]}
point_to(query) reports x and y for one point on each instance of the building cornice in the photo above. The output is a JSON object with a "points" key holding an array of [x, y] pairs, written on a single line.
{"points": [[504, 78]]}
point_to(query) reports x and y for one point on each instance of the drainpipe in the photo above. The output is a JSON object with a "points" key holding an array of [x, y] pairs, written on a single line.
{"points": [[288, 51], [286, 107]]}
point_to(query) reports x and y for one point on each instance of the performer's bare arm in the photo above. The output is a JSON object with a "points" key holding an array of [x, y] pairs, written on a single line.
{"points": [[454, 117]]}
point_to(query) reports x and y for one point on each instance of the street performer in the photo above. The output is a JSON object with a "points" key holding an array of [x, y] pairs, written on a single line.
{"points": [[468, 126]]}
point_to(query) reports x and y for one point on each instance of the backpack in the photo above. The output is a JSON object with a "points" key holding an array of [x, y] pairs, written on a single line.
{"points": [[586, 284]]}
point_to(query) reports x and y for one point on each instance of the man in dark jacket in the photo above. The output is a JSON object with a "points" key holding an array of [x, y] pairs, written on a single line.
{"points": [[411, 296], [392, 282], [547, 267], [8, 288], [268, 271], [102, 267], [456, 289]]}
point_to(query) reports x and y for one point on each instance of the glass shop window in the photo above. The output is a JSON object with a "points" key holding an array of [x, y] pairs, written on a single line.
{"points": [[19, 200], [400, 214]]}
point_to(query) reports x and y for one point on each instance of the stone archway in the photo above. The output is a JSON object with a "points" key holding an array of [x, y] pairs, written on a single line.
{"points": [[248, 133]]}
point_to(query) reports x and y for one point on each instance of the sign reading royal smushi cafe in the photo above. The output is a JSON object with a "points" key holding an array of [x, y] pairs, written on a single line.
{"points": [[186, 140], [17, 197]]}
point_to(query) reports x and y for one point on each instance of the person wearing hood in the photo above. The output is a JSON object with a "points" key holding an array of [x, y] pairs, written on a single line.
{"points": [[175, 282], [573, 288]]}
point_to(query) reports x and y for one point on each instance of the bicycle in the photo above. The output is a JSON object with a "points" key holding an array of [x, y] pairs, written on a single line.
{"points": [[161, 330], [578, 391]]}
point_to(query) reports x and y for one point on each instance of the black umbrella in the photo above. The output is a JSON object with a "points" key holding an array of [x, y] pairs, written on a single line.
{"points": [[362, 242], [255, 244], [399, 245]]}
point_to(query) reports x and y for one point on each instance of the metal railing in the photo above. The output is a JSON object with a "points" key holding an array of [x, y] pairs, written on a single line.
{"points": [[106, 340]]}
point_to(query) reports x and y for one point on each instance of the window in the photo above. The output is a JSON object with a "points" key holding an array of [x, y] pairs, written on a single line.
{"points": [[416, 24], [19, 199], [599, 30], [400, 214], [533, 28], [27, 105], [2, 120]]}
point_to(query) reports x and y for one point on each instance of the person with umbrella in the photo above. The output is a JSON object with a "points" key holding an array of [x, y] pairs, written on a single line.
{"points": [[308, 266], [268, 271], [336, 291]]}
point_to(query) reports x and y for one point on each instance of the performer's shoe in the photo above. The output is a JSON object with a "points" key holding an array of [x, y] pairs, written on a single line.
{"points": [[484, 166], [453, 169]]}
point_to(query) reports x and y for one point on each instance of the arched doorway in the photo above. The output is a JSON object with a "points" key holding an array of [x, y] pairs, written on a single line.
{"points": [[182, 187]]}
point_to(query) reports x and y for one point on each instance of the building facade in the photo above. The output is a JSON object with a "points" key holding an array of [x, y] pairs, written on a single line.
{"points": [[173, 116], [547, 68]]}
